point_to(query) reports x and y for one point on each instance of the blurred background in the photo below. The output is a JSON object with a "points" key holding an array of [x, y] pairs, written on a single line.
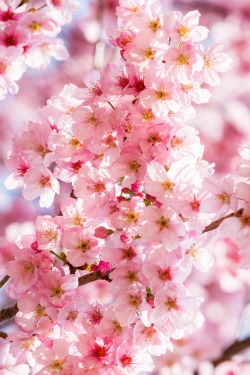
{"points": [[223, 123]]}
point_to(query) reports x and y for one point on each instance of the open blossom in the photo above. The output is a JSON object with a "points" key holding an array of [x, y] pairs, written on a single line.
{"points": [[184, 62], [33, 144], [10, 365], [161, 225], [35, 312], [40, 182], [215, 62], [95, 184], [166, 185], [161, 97], [58, 287], [97, 349], [28, 38], [11, 69], [223, 197], [174, 304], [23, 271], [151, 337], [187, 29], [55, 359], [130, 361], [127, 215], [82, 246], [47, 233]]}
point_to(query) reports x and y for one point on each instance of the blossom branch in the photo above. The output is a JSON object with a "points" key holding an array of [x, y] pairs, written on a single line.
{"points": [[235, 348], [216, 224], [93, 276], [4, 281], [3, 335], [8, 313]]}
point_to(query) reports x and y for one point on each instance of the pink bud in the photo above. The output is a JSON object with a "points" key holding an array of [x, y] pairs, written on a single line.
{"points": [[104, 267], [120, 199], [136, 187], [101, 232], [158, 204], [94, 268], [150, 300], [124, 238], [34, 246]]}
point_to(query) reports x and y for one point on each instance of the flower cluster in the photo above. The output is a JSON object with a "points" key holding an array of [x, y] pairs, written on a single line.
{"points": [[28, 31], [140, 201]]}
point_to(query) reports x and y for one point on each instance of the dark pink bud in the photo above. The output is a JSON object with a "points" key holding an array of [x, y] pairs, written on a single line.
{"points": [[136, 187], [104, 267], [150, 300], [102, 232], [34, 246], [94, 268], [124, 238]]}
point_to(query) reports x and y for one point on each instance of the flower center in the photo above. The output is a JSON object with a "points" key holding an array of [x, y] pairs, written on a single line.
{"points": [[57, 365], [154, 25], [126, 360], [132, 217], [184, 31], [149, 332], [162, 95], [57, 292], [148, 115], [72, 316], [163, 223], [44, 181], [132, 277], [165, 275], [100, 351], [168, 185], [172, 304], [182, 60], [75, 143], [148, 53]]}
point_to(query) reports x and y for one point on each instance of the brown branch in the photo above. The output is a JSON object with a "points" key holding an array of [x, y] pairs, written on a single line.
{"points": [[215, 224], [3, 335], [232, 350], [93, 276], [8, 313], [4, 281], [235, 348]]}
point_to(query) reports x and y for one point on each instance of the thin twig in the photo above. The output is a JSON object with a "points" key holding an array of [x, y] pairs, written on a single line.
{"points": [[4, 281], [3, 335], [8, 313], [216, 224], [235, 348], [111, 105]]}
